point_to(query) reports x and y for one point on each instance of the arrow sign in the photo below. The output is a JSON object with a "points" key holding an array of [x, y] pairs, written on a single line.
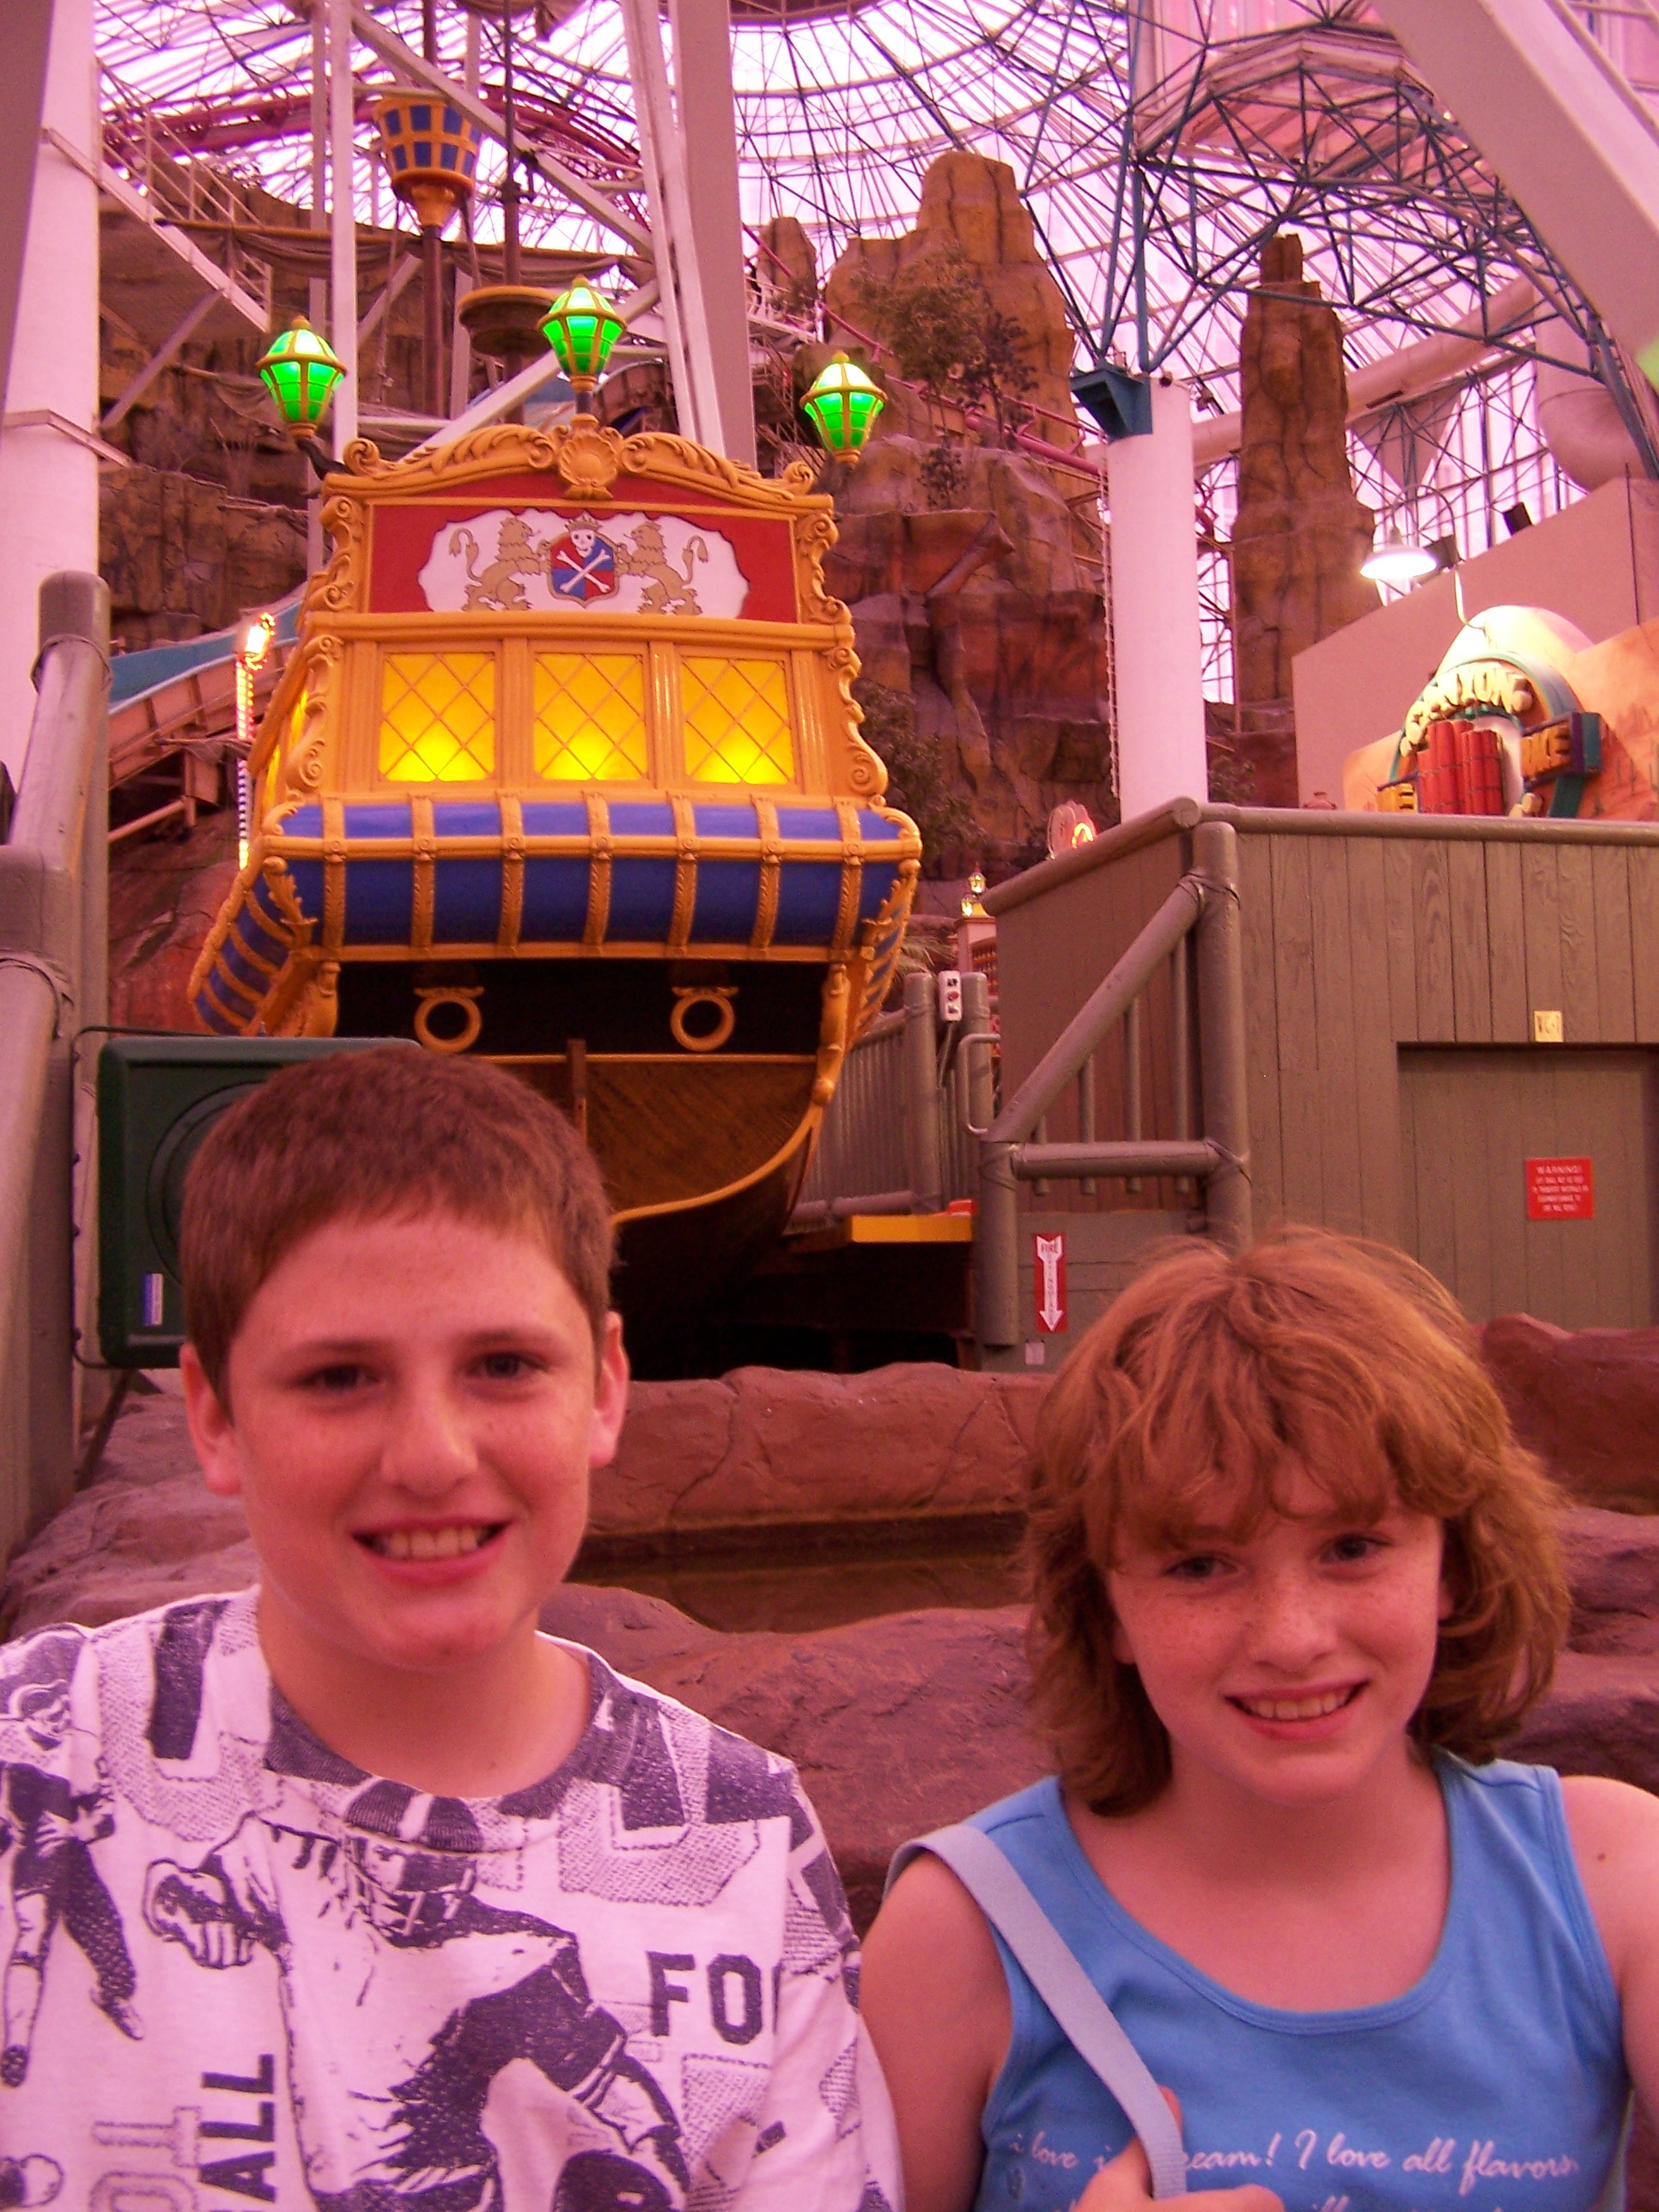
{"points": [[1049, 1280]]}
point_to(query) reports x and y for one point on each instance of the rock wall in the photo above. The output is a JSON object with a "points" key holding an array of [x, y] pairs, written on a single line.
{"points": [[183, 556], [165, 893], [973, 204], [1300, 534], [987, 616]]}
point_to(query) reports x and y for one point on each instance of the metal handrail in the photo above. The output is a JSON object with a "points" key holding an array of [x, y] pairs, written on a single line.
{"points": [[53, 982]]}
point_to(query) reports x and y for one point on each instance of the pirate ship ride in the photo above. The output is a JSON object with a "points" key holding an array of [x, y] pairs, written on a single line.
{"points": [[566, 771]]}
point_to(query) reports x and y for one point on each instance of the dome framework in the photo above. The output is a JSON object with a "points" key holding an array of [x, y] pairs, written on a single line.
{"points": [[1157, 147]]}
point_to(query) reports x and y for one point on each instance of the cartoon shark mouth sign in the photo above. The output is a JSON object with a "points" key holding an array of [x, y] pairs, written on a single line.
{"points": [[535, 560]]}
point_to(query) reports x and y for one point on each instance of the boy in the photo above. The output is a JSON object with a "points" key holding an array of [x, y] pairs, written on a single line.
{"points": [[425, 1911]]}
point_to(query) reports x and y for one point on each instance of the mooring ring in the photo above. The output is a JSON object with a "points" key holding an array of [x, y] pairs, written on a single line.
{"points": [[688, 996], [472, 1017]]}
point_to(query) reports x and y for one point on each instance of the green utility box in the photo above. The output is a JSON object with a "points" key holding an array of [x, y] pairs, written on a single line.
{"points": [[157, 1098]]}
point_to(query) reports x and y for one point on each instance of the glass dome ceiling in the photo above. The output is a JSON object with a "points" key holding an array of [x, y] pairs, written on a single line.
{"points": [[1248, 115], [839, 111]]}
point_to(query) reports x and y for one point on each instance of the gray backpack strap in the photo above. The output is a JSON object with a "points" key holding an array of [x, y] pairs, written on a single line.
{"points": [[1611, 2198], [1083, 2013]]}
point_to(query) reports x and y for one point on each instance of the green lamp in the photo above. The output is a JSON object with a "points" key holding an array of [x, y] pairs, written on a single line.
{"points": [[581, 326], [841, 404], [300, 370]]}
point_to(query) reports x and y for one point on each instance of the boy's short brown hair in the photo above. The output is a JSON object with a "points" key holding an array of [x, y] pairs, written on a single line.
{"points": [[391, 1130], [1182, 1407]]}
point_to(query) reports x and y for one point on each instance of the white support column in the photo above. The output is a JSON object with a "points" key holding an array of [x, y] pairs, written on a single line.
{"points": [[1155, 622], [702, 89], [49, 464], [673, 233], [342, 221]]}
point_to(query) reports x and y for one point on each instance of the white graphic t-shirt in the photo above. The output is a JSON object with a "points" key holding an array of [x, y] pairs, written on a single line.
{"points": [[239, 1969]]}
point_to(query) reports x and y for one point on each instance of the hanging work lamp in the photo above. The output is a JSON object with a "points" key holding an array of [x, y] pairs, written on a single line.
{"points": [[300, 370], [1398, 562], [581, 326], [841, 404]]}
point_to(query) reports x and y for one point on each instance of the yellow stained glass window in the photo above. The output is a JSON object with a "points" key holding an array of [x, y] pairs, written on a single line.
{"points": [[437, 717], [736, 721], [590, 716]]}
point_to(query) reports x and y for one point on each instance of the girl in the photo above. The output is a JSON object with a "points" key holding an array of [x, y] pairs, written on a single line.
{"points": [[1293, 1582]]}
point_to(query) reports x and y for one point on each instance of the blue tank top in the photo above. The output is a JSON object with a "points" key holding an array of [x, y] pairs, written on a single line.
{"points": [[1496, 2084]]}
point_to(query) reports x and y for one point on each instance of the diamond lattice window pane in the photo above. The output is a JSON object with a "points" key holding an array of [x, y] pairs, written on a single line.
{"points": [[736, 721], [437, 717], [590, 716]]}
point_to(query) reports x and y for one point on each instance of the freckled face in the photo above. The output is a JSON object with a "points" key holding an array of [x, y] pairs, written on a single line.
{"points": [[415, 1412], [1288, 1664]]}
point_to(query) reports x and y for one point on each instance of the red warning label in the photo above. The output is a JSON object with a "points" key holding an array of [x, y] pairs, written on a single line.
{"points": [[1560, 1190]]}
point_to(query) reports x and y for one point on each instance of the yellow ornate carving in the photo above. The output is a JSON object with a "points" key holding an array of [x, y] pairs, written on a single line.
{"points": [[589, 459]]}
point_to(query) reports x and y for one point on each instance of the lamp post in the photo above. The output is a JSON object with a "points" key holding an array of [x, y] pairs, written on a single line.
{"points": [[300, 370], [581, 326], [841, 403], [431, 153], [251, 646]]}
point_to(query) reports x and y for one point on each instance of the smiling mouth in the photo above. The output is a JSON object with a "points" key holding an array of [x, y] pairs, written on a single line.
{"points": [[1313, 1708], [451, 1543]]}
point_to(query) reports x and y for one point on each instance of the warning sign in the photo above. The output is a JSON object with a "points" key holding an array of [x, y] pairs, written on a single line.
{"points": [[1048, 1280], [1560, 1190]]}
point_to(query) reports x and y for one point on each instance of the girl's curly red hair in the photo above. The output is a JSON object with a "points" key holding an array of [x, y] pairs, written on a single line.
{"points": [[1183, 1405]]}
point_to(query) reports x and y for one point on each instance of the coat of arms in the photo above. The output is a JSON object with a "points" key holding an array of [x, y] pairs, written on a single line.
{"points": [[583, 564], [634, 564]]}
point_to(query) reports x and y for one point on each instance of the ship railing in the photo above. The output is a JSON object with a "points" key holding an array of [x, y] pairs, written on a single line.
{"points": [[54, 876], [1200, 918], [901, 1132]]}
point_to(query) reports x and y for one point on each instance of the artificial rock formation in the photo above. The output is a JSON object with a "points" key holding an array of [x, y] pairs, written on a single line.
{"points": [[1586, 1400], [973, 204], [182, 556], [1300, 534], [165, 893], [973, 567], [786, 268], [986, 615]]}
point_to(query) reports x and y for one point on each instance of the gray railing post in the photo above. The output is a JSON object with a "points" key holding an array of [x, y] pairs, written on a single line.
{"points": [[52, 981], [921, 1090], [1223, 1066], [976, 1025], [996, 1251]]}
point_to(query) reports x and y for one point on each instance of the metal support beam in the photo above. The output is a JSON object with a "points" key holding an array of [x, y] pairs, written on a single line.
{"points": [[1567, 137], [591, 198], [702, 89], [393, 290], [1223, 1074], [53, 929], [343, 219], [1129, 1161], [158, 361], [674, 237], [22, 90], [137, 203]]}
